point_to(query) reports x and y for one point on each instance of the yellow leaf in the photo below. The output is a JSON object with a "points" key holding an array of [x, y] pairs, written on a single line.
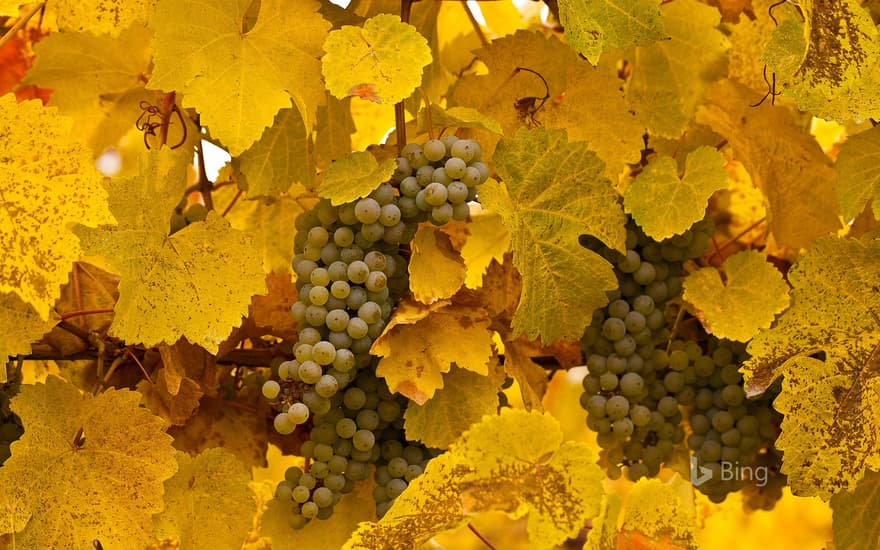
{"points": [[420, 343], [465, 398], [553, 191], [76, 473], [196, 283], [102, 16], [749, 298], [208, 503], [354, 176], [664, 512], [595, 27], [858, 178], [831, 406], [273, 310], [47, 181], [855, 515], [748, 38], [279, 159], [603, 534], [177, 407], [665, 205], [333, 130], [436, 270], [19, 326], [90, 288], [330, 534], [243, 79], [487, 240], [531, 378], [670, 77], [457, 117], [381, 61], [96, 80], [784, 162]]}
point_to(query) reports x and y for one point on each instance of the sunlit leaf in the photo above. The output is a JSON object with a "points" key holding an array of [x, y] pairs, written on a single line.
{"points": [[858, 174], [855, 514], [280, 158], [595, 27], [354, 176], [436, 270]]}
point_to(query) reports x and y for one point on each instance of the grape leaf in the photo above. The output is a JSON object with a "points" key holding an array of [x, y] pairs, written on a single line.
{"points": [[553, 191], [858, 175], [47, 181], [828, 61], [102, 16], [174, 286], [333, 130], [784, 162], [748, 40], [75, 473], [855, 515], [208, 503], [177, 407], [97, 80], [421, 342], [436, 270], [273, 310], [748, 299], [596, 27], [258, 70], [670, 77], [329, 534], [464, 399], [664, 204], [384, 57], [531, 377], [354, 176], [832, 417], [487, 240], [280, 158], [664, 513], [603, 534], [457, 117], [89, 288], [19, 326]]}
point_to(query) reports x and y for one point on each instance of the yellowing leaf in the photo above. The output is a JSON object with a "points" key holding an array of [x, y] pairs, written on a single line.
{"points": [[858, 174], [96, 80], [273, 310], [831, 406], [749, 298], [595, 27], [664, 512], [383, 59], [177, 406], [436, 270], [670, 77], [552, 192], [76, 473], [784, 162], [828, 60], [354, 176], [457, 117], [487, 240], [19, 326], [420, 343], [531, 377], [855, 515], [279, 159], [270, 226], [465, 398], [664, 205], [255, 73], [102, 16], [208, 503], [603, 535], [333, 130], [47, 181]]}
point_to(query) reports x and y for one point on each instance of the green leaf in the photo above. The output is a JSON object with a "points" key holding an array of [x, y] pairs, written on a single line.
{"points": [[381, 61], [831, 406], [596, 27], [208, 502], [458, 117], [553, 191], [464, 399], [279, 159], [258, 71], [354, 176], [96, 80], [858, 173], [855, 515], [752, 293], [784, 162], [670, 77], [828, 62], [664, 205]]}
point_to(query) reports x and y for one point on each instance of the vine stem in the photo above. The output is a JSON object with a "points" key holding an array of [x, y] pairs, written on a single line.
{"points": [[475, 24], [740, 235], [167, 106], [483, 539], [232, 203], [22, 21], [85, 312], [399, 108]]}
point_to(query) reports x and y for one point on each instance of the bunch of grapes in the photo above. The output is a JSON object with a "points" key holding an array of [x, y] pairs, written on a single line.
{"points": [[350, 274], [10, 425], [633, 389]]}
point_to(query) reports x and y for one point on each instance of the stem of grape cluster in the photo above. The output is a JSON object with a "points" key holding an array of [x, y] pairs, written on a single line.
{"points": [[483, 539]]}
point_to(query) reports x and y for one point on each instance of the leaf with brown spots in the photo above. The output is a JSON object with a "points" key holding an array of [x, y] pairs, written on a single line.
{"points": [[831, 431]]}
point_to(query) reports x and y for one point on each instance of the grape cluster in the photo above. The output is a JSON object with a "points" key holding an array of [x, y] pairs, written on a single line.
{"points": [[633, 388], [350, 274], [10, 425], [439, 178]]}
